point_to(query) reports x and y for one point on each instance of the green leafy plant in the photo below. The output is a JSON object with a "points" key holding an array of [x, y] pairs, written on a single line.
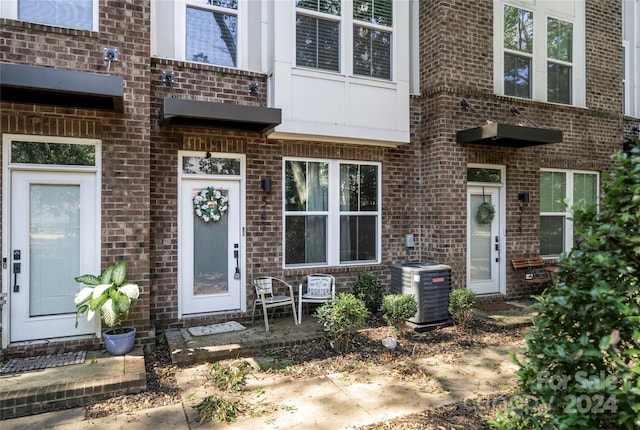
{"points": [[581, 365], [461, 303], [229, 377], [216, 408], [367, 287], [397, 308], [342, 318], [109, 294]]}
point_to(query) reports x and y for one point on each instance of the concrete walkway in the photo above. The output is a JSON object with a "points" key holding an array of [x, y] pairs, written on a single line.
{"points": [[334, 401]]}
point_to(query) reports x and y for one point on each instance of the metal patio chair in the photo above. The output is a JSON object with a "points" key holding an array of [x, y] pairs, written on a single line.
{"points": [[315, 288], [265, 287]]}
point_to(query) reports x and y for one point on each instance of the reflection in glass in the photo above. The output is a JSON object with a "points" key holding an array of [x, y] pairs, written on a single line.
{"points": [[517, 76], [317, 43], [71, 14], [192, 165], [306, 239], [54, 248], [63, 154], [210, 255], [211, 37], [552, 191], [480, 246], [357, 238], [551, 235], [518, 29]]}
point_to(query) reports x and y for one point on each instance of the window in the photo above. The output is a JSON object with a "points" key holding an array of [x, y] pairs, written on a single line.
{"points": [[319, 35], [327, 197], [77, 14], [212, 32], [560, 55], [542, 51], [577, 189]]}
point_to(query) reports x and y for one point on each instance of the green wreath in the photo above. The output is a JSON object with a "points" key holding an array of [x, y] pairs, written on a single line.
{"points": [[210, 204], [485, 213]]}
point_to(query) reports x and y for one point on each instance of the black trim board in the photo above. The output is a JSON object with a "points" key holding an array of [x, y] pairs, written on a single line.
{"points": [[197, 113], [44, 85], [509, 135]]}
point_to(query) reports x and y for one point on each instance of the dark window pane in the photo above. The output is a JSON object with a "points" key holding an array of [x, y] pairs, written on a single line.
{"points": [[305, 239], [211, 37], [371, 52], [357, 238], [349, 186], [306, 186], [518, 29], [551, 235], [368, 188], [374, 11], [331, 7], [558, 83], [517, 76], [53, 153], [317, 43], [71, 14], [559, 40], [476, 174]]}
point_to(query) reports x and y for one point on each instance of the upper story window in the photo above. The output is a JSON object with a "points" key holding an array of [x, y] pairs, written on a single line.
{"points": [[541, 57], [558, 186], [332, 213], [321, 33], [212, 32], [77, 14]]}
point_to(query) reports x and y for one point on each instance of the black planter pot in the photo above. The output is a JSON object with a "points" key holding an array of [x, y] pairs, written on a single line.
{"points": [[120, 343]]}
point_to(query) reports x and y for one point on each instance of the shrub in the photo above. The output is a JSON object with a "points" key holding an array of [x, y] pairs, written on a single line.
{"points": [[367, 288], [461, 303], [342, 318], [581, 365], [216, 408], [397, 308]]}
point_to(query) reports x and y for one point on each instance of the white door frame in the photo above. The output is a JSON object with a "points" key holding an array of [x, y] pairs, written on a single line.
{"points": [[500, 217], [240, 180], [93, 328]]}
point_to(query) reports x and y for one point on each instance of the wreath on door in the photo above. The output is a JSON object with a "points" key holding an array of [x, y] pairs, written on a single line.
{"points": [[486, 212], [210, 204]]}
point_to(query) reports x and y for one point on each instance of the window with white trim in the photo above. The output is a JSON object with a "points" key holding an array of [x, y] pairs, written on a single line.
{"points": [[332, 212], [540, 55], [321, 27], [211, 33], [560, 191], [76, 14]]}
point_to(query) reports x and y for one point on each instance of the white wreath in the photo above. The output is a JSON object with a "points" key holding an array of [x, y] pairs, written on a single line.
{"points": [[210, 204]]}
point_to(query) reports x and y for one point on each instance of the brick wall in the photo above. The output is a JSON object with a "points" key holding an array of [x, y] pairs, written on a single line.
{"points": [[125, 137]]}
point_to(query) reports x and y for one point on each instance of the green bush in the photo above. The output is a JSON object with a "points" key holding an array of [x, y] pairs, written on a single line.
{"points": [[229, 377], [342, 318], [397, 308], [581, 365], [216, 408], [367, 287], [461, 303]]}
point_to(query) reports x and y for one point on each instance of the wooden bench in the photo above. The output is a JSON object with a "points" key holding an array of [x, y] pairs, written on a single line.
{"points": [[533, 273]]}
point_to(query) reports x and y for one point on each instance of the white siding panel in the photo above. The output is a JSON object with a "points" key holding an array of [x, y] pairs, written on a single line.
{"points": [[316, 100]]}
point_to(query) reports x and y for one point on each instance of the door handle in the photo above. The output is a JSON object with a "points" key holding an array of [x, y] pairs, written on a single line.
{"points": [[16, 270], [236, 255]]}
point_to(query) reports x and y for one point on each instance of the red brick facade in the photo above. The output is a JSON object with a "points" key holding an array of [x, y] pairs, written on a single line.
{"points": [[424, 187]]}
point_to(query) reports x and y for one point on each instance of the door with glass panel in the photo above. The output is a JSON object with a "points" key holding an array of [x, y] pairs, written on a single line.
{"points": [[483, 241], [210, 254], [54, 238]]}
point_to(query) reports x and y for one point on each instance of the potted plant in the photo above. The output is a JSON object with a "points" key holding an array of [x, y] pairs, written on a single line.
{"points": [[111, 295]]}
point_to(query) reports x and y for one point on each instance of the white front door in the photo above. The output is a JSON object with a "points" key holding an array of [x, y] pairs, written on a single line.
{"points": [[483, 242], [53, 239], [210, 253]]}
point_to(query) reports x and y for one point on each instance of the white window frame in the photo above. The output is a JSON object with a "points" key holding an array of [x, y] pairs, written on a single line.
{"points": [[180, 25], [626, 82], [347, 23], [539, 60], [334, 213], [569, 185], [9, 10]]}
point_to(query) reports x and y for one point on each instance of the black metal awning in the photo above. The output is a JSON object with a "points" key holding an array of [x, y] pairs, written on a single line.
{"points": [[45, 85], [514, 136], [197, 113]]}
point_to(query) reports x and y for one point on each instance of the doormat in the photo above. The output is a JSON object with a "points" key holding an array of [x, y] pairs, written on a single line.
{"points": [[205, 330], [16, 365]]}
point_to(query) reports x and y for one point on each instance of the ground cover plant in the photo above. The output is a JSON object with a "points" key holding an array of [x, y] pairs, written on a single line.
{"points": [[581, 368]]}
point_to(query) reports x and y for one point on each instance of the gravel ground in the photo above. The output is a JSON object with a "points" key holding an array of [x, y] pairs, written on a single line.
{"points": [[318, 358]]}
